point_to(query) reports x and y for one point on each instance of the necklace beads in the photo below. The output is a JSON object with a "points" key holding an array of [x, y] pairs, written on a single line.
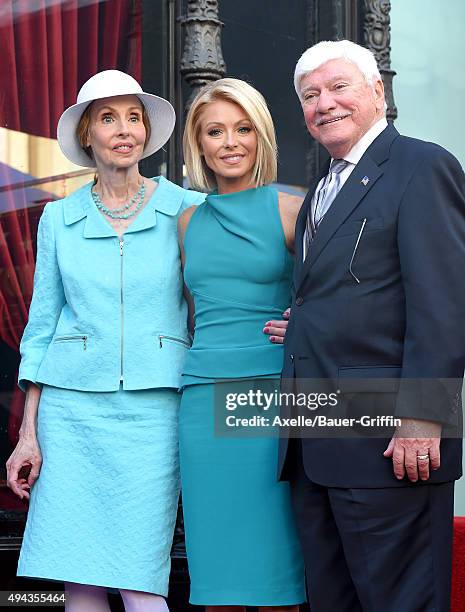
{"points": [[123, 212]]}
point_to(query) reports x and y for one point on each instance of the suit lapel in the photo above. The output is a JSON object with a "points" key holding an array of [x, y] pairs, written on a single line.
{"points": [[353, 191]]}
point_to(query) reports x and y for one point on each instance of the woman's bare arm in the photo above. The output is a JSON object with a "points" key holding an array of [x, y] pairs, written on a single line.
{"points": [[289, 207]]}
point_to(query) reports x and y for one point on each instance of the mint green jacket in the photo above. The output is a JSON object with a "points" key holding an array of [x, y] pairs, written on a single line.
{"points": [[105, 309]]}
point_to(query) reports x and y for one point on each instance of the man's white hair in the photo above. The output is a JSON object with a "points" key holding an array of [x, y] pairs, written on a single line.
{"points": [[327, 50]]}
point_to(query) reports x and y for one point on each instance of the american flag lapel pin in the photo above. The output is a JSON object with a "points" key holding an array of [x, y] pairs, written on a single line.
{"points": [[365, 180]]}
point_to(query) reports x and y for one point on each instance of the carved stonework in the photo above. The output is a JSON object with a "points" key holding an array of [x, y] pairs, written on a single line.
{"points": [[202, 60], [377, 37]]}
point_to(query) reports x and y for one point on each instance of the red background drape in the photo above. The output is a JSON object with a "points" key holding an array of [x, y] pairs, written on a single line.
{"points": [[47, 53]]}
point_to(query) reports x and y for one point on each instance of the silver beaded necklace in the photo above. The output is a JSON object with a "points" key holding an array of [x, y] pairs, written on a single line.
{"points": [[122, 213]]}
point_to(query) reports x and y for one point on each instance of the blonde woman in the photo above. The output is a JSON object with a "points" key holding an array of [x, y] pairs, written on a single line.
{"points": [[237, 247]]}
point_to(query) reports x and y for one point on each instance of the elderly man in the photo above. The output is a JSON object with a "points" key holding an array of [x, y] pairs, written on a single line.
{"points": [[379, 308]]}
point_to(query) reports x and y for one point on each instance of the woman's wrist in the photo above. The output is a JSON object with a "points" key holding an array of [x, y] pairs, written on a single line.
{"points": [[27, 433]]}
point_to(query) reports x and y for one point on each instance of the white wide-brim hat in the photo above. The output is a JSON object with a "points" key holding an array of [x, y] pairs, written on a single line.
{"points": [[105, 85]]}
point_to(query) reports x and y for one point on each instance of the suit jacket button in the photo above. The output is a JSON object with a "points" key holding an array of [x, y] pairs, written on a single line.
{"points": [[291, 357], [299, 301]]}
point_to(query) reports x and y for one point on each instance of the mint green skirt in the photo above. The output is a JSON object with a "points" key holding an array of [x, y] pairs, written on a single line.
{"points": [[103, 509], [241, 540]]}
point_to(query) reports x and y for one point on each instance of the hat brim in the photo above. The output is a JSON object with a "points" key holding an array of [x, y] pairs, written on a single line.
{"points": [[161, 116]]}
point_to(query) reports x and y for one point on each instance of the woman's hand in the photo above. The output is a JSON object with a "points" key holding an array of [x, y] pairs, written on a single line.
{"points": [[27, 453], [277, 329]]}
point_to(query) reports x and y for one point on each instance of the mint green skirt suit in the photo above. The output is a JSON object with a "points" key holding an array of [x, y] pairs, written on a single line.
{"points": [[241, 540], [106, 340]]}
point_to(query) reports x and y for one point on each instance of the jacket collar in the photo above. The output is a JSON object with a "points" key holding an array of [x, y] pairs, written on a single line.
{"points": [[166, 199]]}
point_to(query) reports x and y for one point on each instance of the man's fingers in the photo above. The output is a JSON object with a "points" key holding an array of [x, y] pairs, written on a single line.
{"points": [[411, 464], [398, 461], [423, 468], [388, 452], [435, 456], [416, 453]]}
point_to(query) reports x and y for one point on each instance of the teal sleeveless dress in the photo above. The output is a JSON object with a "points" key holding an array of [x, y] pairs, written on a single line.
{"points": [[241, 540]]}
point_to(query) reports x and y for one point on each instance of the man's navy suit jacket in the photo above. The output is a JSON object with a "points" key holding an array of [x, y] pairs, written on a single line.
{"points": [[404, 319]]}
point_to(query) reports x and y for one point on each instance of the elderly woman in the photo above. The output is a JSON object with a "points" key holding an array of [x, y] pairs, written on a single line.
{"points": [[241, 539], [101, 360]]}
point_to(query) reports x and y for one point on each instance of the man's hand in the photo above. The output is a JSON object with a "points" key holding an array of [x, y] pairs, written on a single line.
{"points": [[277, 329], [414, 449]]}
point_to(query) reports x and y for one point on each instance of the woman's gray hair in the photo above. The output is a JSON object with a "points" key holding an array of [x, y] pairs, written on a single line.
{"points": [[328, 50]]}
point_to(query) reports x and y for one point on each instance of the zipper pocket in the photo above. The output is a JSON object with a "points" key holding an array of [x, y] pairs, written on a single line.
{"points": [[82, 339], [161, 338]]}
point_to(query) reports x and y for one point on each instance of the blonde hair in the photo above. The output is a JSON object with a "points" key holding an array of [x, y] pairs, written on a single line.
{"points": [[82, 130], [253, 104]]}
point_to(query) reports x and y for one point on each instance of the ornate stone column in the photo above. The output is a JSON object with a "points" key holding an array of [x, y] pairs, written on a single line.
{"points": [[377, 37], [202, 59]]}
